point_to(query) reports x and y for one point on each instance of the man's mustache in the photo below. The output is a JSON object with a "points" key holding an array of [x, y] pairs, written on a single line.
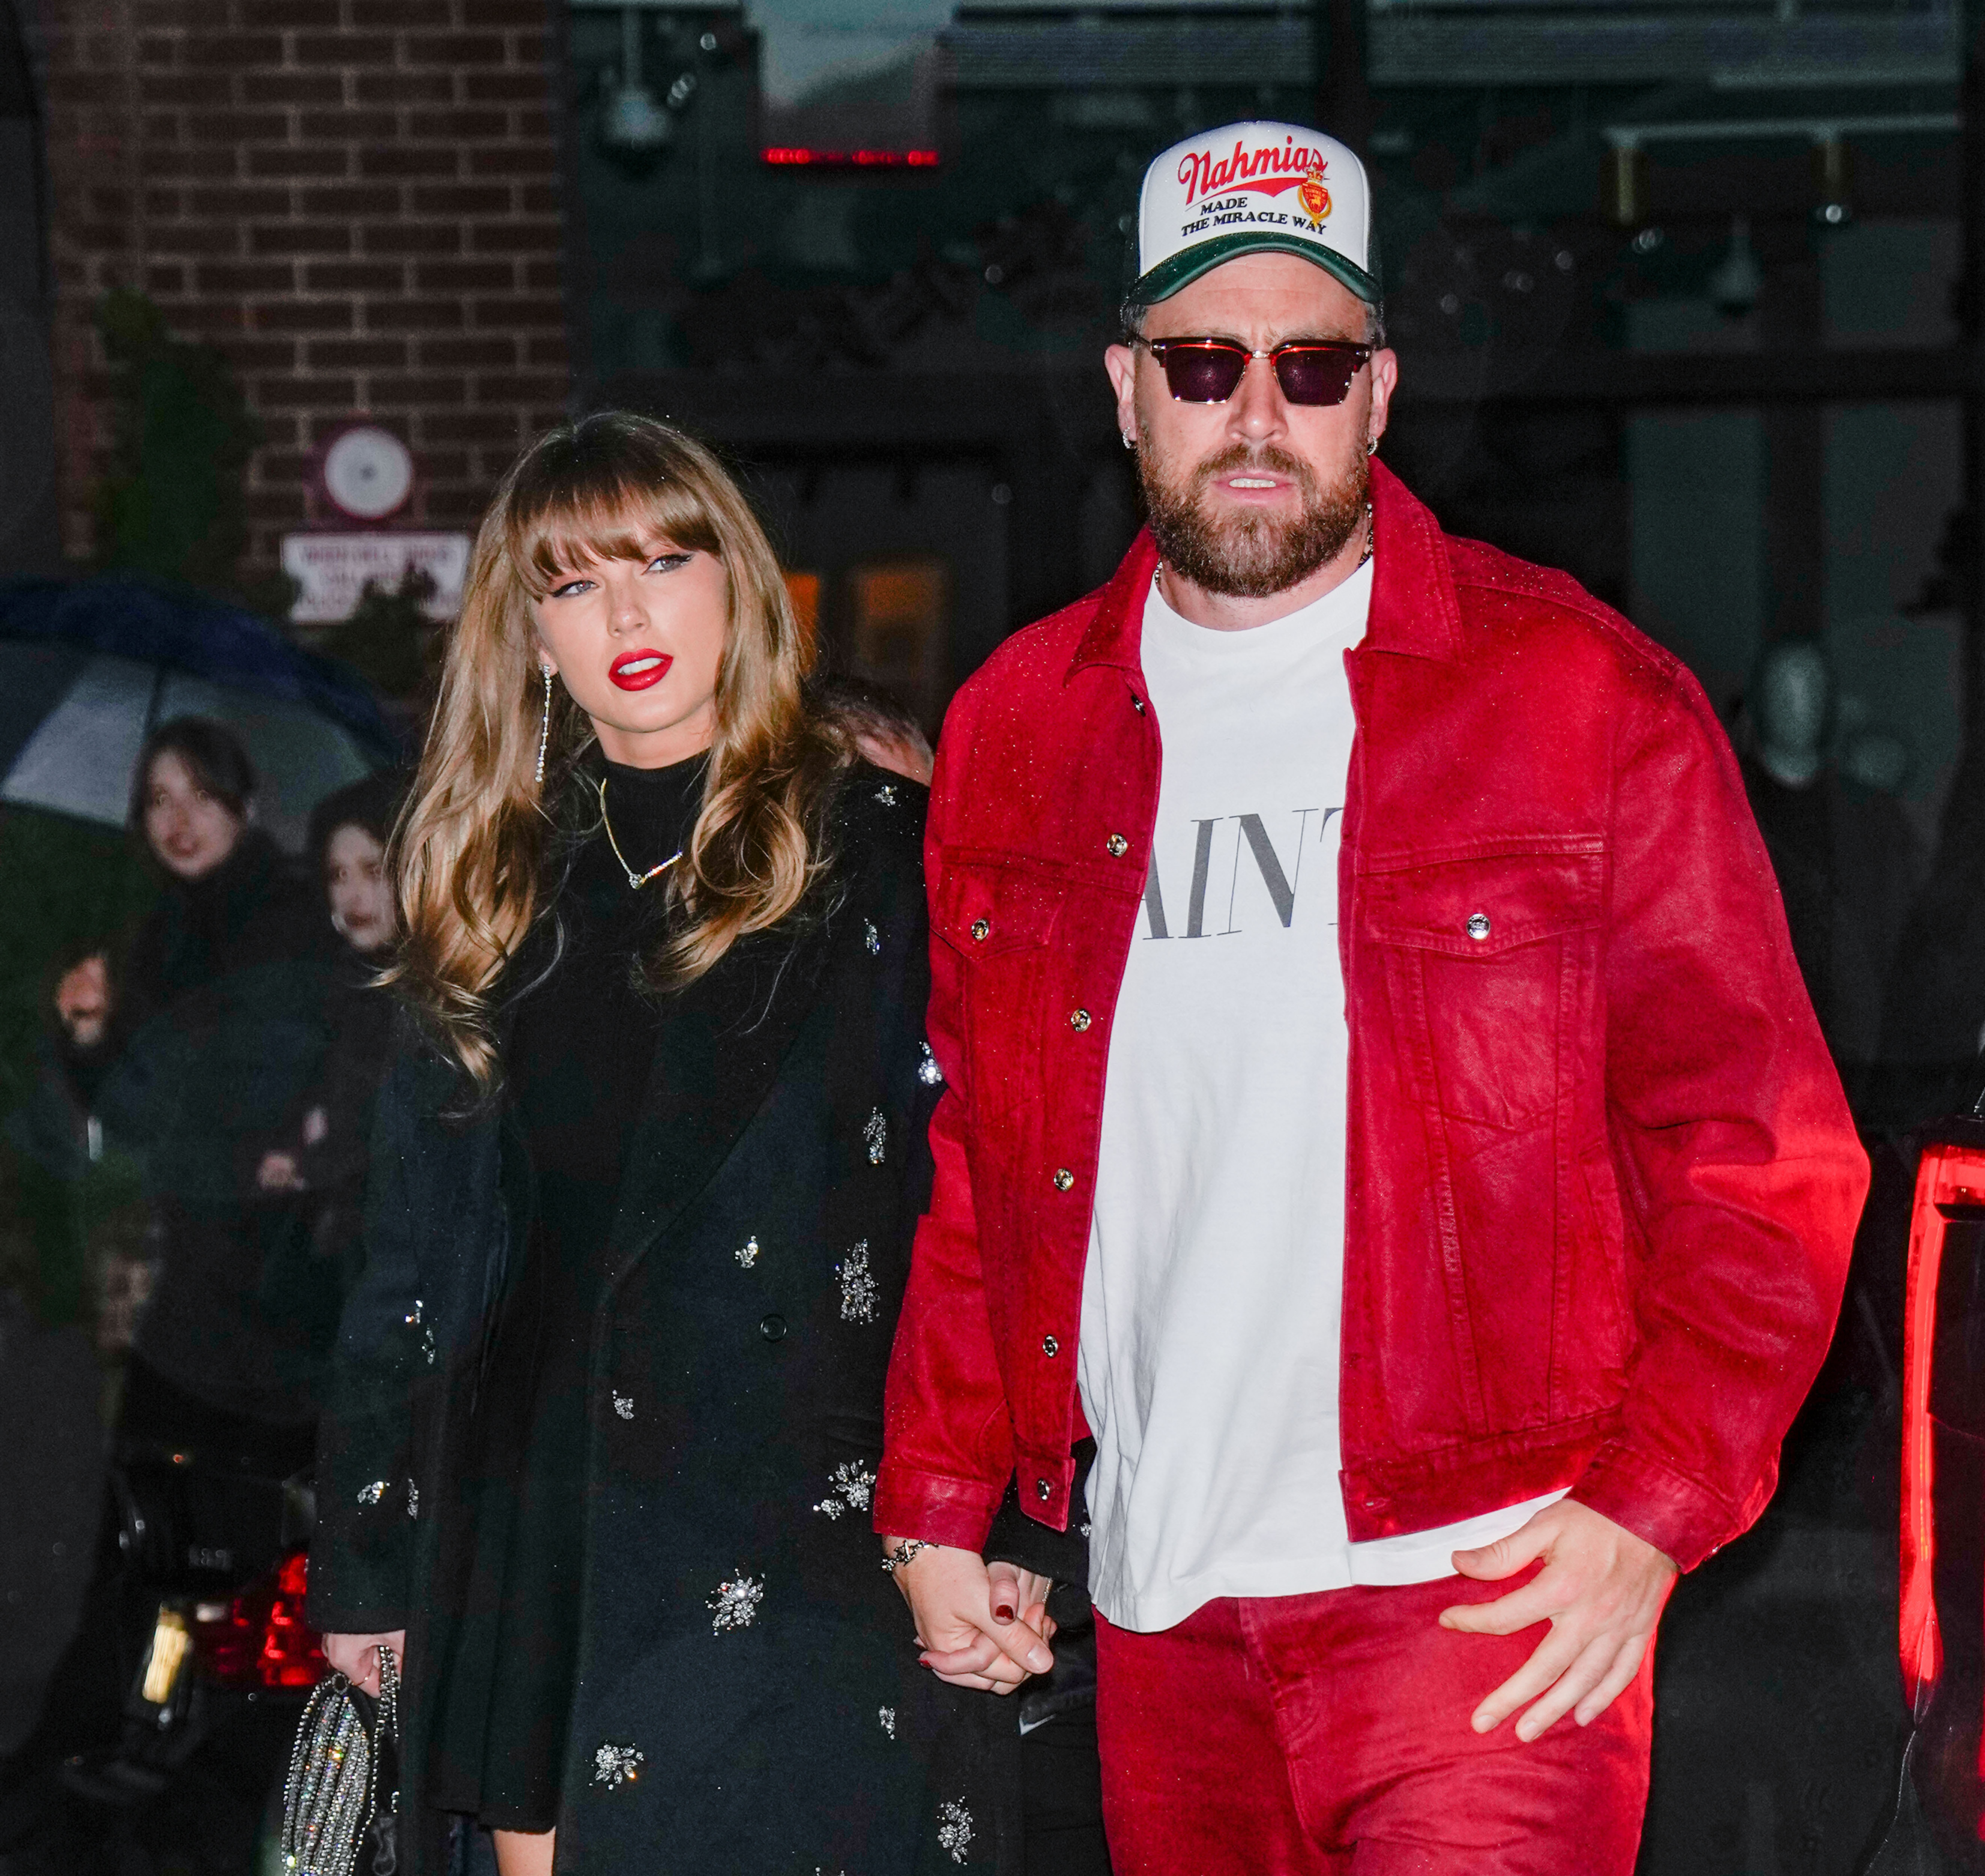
{"points": [[1240, 459]]}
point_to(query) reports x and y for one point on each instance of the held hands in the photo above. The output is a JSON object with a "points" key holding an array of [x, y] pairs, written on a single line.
{"points": [[1602, 1589], [357, 1656], [979, 1625]]}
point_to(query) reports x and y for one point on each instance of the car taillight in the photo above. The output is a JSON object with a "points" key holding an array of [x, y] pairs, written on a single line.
{"points": [[259, 1641]]}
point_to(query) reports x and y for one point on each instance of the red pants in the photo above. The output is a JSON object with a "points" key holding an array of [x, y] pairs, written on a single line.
{"points": [[1327, 1735]]}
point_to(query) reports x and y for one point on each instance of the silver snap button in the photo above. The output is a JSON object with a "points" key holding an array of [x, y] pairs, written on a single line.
{"points": [[981, 930], [1118, 846], [1064, 1178], [1080, 1021], [1042, 1489], [1050, 1347], [772, 1328], [1478, 925]]}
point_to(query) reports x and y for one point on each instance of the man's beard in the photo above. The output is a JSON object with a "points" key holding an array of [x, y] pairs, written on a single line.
{"points": [[1250, 555]]}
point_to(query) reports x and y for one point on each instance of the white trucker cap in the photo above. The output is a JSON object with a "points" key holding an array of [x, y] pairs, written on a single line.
{"points": [[1255, 188]]}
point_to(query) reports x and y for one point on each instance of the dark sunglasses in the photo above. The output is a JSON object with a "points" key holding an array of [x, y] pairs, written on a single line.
{"points": [[1208, 371]]}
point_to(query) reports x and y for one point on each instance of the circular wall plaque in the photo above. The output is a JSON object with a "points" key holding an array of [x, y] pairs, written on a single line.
{"points": [[368, 473]]}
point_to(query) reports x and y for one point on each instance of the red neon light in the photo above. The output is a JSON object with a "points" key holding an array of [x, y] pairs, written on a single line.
{"points": [[1947, 1176], [786, 154]]}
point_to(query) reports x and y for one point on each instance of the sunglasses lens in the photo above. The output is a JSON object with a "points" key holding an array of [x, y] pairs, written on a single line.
{"points": [[1204, 374], [1317, 374]]}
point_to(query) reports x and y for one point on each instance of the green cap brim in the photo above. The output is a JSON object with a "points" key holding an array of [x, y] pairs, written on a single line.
{"points": [[1189, 263]]}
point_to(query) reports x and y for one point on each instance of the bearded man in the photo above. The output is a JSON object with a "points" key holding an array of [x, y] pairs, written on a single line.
{"points": [[1381, 1109]]}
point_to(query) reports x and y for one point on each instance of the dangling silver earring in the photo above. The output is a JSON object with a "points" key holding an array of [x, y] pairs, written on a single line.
{"points": [[545, 729], [1371, 445], [1129, 441]]}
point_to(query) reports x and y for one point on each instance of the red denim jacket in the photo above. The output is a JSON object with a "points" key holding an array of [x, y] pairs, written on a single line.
{"points": [[1601, 1181]]}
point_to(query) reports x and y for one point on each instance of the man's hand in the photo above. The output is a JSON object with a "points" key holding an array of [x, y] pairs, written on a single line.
{"points": [[357, 1656], [1601, 1589], [951, 1596]]}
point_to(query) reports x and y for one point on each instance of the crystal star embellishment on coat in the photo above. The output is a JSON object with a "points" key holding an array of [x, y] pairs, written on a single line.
{"points": [[887, 1715], [872, 938], [854, 1483], [954, 1828], [624, 1405], [374, 1493], [886, 794], [413, 1499], [617, 1765], [928, 1071], [735, 1603], [858, 1292], [748, 1252], [875, 1131]]}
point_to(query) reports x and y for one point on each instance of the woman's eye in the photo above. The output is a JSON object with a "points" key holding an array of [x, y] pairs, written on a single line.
{"points": [[570, 587], [668, 562]]}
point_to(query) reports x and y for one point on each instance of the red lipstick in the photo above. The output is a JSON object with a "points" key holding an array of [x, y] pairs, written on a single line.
{"points": [[636, 670]]}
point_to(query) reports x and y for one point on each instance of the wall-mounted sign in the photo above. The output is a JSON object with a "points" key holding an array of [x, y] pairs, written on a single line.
{"points": [[333, 570], [366, 472]]}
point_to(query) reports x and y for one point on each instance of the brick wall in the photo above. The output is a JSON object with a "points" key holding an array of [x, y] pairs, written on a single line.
{"points": [[357, 200]]}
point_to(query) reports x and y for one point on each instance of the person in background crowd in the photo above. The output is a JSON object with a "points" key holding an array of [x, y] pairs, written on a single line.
{"points": [[315, 1175], [607, 1399], [74, 1187], [1381, 1108], [883, 730], [350, 832], [220, 1024]]}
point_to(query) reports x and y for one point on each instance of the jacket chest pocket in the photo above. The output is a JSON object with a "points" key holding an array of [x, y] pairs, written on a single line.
{"points": [[1001, 919], [1485, 961]]}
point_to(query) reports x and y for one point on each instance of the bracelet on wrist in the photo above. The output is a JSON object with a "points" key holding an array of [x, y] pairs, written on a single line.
{"points": [[903, 1553]]}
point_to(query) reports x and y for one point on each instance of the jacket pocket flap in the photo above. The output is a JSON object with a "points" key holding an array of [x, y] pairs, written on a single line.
{"points": [[983, 910], [1480, 907]]}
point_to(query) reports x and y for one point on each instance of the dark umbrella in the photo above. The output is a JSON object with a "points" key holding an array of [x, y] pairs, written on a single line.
{"points": [[88, 670]]}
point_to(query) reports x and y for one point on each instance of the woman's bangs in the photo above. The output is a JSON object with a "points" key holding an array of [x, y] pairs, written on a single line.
{"points": [[567, 529]]}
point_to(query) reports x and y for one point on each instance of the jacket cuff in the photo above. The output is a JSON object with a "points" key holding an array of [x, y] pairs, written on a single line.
{"points": [[1657, 1503], [938, 1510]]}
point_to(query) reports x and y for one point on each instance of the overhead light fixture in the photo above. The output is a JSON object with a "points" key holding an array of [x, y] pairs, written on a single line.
{"points": [[635, 128], [1624, 183]]}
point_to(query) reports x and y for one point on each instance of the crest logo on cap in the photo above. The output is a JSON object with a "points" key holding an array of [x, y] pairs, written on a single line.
{"points": [[1313, 197]]}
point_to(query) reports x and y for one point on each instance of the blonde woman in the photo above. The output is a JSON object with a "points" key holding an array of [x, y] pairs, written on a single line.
{"points": [[608, 1398]]}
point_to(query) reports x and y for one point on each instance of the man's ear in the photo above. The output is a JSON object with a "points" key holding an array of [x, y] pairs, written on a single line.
{"points": [[1120, 361]]}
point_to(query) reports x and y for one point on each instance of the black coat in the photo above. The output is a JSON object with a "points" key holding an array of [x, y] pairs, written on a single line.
{"points": [[748, 1699], [221, 1022]]}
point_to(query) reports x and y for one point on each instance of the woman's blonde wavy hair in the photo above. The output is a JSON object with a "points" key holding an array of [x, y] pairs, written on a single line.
{"points": [[474, 847]]}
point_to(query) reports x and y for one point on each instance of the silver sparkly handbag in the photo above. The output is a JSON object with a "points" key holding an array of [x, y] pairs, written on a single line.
{"points": [[340, 1800]]}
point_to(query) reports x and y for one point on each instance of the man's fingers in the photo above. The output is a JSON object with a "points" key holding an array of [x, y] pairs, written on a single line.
{"points": [[1503, 1558], [1619, 1678], [982, 1657], [1555, 1653], [1571, 1687], [1537, 1601]]}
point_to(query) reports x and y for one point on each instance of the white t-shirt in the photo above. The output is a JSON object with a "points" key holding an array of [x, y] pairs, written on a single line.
{"points": [[1212, 1296]]}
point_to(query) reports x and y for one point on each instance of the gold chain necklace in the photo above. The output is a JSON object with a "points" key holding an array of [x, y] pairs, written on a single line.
{"points": [[637, 880]]}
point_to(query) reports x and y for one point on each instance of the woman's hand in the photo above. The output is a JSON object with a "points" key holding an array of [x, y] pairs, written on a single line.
{"points": [[1021, 1595], [357, 1656], [951, 1595]]}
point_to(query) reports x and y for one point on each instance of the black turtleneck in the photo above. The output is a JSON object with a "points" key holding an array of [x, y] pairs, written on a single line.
{"points": [[584, 1040], [581, 1051]]}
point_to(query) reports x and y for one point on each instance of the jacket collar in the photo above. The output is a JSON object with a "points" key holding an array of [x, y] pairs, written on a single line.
{"points": [[1414, 610]]}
